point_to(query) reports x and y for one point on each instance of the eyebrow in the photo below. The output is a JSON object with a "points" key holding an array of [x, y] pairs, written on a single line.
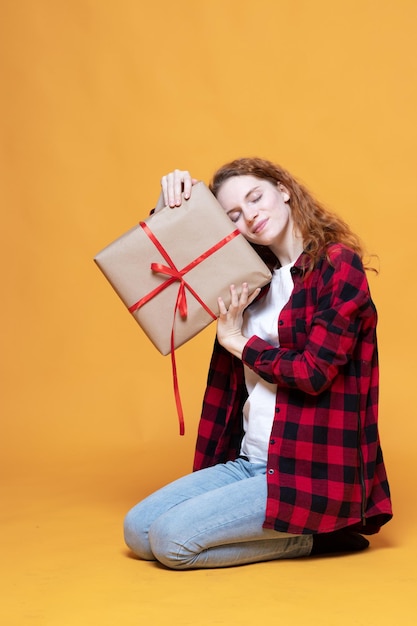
{"points": [[245, 198], [250, 191]]}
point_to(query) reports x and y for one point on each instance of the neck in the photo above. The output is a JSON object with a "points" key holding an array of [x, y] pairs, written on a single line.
{"points": [[288, 251]]}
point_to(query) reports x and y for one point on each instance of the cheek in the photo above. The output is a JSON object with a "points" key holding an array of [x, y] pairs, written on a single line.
{"points": [[281, 216], [242, 228]]}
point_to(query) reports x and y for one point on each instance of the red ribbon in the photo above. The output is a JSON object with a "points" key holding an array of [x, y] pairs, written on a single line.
{"points": [[181, 301]]}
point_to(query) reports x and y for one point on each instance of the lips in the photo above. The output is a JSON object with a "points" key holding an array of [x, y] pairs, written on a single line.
{"points": [[259, 226]]}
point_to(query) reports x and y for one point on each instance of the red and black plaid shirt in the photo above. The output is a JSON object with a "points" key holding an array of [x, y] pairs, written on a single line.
{"points": [[325, 468]]}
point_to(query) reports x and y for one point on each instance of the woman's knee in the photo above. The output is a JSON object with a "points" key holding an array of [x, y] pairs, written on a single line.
{"points": [[136, 535], [168, 545]]}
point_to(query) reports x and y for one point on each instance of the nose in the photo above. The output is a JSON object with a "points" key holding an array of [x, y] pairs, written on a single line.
{"points": [[250, 213]]}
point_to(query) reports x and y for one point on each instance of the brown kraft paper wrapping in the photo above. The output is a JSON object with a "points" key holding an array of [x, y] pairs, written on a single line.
{"points": [[185, 233]]}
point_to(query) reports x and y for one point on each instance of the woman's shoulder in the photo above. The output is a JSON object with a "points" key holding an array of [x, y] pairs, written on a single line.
{"points": [[338, 262], [339, 254], [333, 258]]}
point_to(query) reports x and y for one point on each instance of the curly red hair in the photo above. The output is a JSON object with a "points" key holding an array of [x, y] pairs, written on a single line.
{"points": [[318, 226]]}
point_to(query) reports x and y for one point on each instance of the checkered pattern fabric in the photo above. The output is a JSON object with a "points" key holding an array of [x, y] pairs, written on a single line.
{"points": [[325, 466]]}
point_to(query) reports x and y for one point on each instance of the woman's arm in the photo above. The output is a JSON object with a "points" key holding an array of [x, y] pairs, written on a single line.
{"points": [[344, 309]]}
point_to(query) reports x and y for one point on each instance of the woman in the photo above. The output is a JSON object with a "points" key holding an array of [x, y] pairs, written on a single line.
{"points": [[287, 460]]}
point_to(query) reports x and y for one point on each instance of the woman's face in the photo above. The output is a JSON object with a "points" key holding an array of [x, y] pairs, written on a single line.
{"points": [[259, 209]]}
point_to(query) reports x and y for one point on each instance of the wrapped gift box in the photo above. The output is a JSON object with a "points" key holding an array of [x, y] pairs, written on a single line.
{"points": [[170, 269]]}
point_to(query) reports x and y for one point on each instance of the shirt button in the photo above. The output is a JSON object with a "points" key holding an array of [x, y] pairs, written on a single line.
{"points": [[272, 442], [281, 322], [271, 471]]}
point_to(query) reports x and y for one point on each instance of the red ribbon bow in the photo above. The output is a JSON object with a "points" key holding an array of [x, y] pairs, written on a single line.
{"points": [[181, 301]]}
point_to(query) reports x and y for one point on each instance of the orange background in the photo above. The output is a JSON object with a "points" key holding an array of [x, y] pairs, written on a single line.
{"points": [[99, 99]]}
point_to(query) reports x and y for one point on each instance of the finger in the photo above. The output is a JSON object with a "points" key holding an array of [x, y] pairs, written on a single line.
{"points": [[244, 295], [222, 306], [174, 186], [179, 178], [170, 189], [187, 185], [234, 298], [182, 183], [253, 296]]}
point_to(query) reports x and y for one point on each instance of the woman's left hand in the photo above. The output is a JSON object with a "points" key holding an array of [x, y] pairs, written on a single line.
{"points": [[229, 324]]}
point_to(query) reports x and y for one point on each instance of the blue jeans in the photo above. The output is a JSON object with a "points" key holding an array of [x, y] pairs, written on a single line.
{"points": [[211, 518]]}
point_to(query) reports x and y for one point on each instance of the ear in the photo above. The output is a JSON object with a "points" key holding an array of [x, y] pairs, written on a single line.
{"points": [[284, 192]]}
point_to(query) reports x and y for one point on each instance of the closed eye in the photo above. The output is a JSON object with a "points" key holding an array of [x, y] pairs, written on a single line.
{"points": [[234, 215]]}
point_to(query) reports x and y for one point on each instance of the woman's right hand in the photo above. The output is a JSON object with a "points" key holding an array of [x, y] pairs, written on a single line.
{"points": [[174, 184]]}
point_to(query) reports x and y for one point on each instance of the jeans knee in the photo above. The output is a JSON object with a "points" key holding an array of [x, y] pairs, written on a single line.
{"points": [[166, 547], [136, 537]]}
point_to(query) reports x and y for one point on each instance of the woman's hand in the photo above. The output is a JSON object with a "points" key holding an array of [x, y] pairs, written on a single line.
{"points": [[229, 324], [174, 184]]}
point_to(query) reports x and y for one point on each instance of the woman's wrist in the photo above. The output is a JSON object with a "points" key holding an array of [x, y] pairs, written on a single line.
{"points": [[235, 345]]}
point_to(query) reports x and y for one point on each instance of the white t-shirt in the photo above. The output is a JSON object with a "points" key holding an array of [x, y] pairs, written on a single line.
{"points": [[261, 319]]}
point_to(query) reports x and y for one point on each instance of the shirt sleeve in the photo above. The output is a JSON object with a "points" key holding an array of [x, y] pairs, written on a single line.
{"points": [[343, 304]]}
